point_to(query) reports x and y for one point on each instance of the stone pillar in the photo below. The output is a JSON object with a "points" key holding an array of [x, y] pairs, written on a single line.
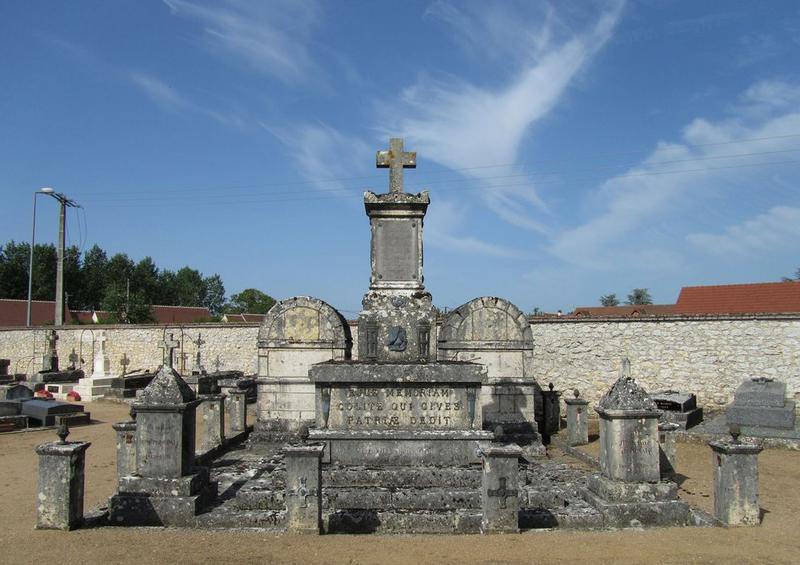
{"points": [[59, 505], [736, 482], [499, 489], [577, 420], [212, 424], [237, 410], [167, 488], [126, 449], [667, 450], [303, 488]]}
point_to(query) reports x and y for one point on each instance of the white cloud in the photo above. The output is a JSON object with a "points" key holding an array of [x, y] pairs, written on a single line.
{"points": [[462, 125], [714, 159], [269, 37], [773, 229], [170, 99], [325, 156], [446, 220]]}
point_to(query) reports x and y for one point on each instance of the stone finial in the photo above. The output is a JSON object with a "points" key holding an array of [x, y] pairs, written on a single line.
{"points": [[576, 393], [626, 394], [167, 388], [62, 433], [735, 431]]}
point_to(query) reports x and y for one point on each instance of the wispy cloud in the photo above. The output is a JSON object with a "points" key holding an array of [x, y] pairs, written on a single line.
{"points": [[170, 99], [775, 228], [461, 125], [270, 37], [325, 156], [714, 160], [444, 224]]}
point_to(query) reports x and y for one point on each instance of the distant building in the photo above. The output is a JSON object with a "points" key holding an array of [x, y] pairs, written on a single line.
{"points": [[15, 313], [234, 318], [625, 311], [756, 298]]}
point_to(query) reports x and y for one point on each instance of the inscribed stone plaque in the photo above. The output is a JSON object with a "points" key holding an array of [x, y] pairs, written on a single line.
{"points": [[430, 407], [301, 324], [396, 250]]}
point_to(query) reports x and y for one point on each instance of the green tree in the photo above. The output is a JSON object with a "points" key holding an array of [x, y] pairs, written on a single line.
{"points": [[214, 294], [609, 300], [639, 296], [189, 286], [167, 288], [14, 259], [790, 279], [251, 301], [119, 272], [144, 279], [124, 308], [94, 274]]}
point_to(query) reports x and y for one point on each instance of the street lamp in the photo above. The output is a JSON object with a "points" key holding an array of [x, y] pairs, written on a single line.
{"points": [[62, 219], [45, 190]]}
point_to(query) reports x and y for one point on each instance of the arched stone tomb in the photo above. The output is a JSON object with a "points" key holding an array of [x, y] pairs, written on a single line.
{"points": [[495, 333], [295, 334]]}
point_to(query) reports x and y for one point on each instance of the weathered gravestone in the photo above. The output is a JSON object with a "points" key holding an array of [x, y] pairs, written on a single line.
{"points": [[5, 378], [167, 488], [577, 420], [678, 408], [101, 380], [629, 491], [59, 503], [736, 485], [761, 403]]}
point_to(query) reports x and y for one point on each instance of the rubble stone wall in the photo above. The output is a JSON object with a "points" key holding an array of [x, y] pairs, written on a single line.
{"points": [[709, 357]]}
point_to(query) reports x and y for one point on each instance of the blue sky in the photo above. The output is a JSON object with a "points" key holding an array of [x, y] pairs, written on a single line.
{"points": [[571, 149]]}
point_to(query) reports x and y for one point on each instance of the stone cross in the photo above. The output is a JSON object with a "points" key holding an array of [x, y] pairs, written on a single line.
{"points": [[51, 341], [395, 159], [217, 364], [169, 345], [73, 358], [198, 342], [124, 361], [503, 492]]}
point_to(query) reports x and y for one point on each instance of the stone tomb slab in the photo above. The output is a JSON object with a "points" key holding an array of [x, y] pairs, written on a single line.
{"points": [[44, 412]]}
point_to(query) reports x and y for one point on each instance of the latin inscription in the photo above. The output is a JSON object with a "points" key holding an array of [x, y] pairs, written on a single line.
{"points": [[379, 408]]}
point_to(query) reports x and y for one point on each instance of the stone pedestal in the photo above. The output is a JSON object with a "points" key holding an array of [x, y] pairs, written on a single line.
{"points": [[577, 421], [126, 449], [236, 406], [99, 382], [629, 491], [761, 403], [551, 413], [667, 449], [499, 489], [59, 504], [736, 483], [166, 489], [303, 488], [212, 422]]}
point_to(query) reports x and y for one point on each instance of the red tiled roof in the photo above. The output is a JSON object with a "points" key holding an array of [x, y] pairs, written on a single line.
{"points": [[761, 298], [15, 313], [626, 311]]}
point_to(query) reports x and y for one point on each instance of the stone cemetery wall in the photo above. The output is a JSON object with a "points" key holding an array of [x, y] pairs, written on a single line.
{"points": [[706, 356]]}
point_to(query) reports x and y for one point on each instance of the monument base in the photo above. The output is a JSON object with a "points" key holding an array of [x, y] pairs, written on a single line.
{"points": [[401, 447], [624, 504]]}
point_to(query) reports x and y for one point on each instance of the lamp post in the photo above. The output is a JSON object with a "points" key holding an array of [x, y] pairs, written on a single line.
{"points": [[45, 190], [64, 202]]}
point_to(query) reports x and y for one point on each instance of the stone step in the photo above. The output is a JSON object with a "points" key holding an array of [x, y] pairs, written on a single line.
{"points": [[375, 498], [402, 522], [396, 477], [225, 517]]}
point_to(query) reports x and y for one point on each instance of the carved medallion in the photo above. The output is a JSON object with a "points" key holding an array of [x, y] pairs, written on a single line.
{"points": [[397, 339]]}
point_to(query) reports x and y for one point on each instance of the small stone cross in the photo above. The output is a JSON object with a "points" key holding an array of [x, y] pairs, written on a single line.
{"points": [[124, 362], [304, 493], [51, 341], [73, 357], [217, 364], [395, 159], [199, 341], [169, 345], [503, 492]]}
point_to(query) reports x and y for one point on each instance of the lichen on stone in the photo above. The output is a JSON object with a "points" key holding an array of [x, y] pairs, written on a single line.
{"points": [[167, 388], [626, 393]]}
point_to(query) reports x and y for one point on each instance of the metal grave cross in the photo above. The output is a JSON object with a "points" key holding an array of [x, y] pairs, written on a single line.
{"points": [[217, 364], [73, 358], [503, 492], [169, 345], [395, 159], [124, 361], [52, 338]]}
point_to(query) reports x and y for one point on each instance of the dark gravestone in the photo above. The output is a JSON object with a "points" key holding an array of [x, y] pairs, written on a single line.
{"points": [[678, 408], [44, 412], [4, 376], [15, 392], [10, 407]]}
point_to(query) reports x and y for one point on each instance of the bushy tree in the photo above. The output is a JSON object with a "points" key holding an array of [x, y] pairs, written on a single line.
{"points": [[214, 294], [609, 300], [251, 301], [639, 296]]}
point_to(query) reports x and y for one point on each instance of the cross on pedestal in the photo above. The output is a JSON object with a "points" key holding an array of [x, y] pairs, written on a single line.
{"points": [[51, 341], [217, 364], [395, 159], [503, 492], [124, 362], [73, 358], [169, 345]]}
